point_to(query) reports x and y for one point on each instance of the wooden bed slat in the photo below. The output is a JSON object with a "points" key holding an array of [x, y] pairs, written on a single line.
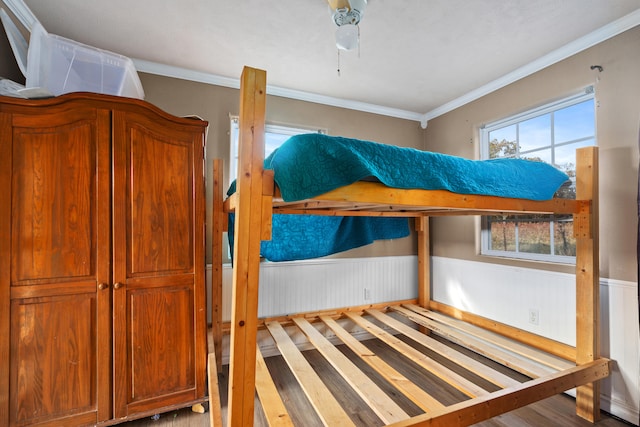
{"points": [[272, 405], [564, 351], [417, 395], [460, 359], [498, 340], [450, 377], [506, 358], [378, 400], [326, 406]]}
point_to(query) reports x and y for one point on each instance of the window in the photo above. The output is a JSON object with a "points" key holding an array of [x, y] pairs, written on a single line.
{"points": [[274, 136], [550, 133]]}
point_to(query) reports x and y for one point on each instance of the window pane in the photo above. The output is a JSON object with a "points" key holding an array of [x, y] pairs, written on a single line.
{"points": [[575, 122], [273, 141], [550, 133], [565, 155], [565, 243], [533, 237], [502, 142], [503, 234], [535, 133], [539, 156]]}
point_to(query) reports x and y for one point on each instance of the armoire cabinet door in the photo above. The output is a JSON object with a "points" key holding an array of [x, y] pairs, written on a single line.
{"points": [[158, 300], [59, 365]]}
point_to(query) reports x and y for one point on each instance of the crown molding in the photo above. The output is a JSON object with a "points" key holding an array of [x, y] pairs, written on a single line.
{"points": [[604, 33], [201, 77]]}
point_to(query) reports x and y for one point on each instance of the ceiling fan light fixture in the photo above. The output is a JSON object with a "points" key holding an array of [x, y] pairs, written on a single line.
{"points": [[347, 37], [347, 12]]}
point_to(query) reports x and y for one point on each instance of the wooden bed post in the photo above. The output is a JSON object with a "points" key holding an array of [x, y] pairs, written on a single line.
{"points": [[424, 262], [217, 227], [587, 280], [246, 252]]}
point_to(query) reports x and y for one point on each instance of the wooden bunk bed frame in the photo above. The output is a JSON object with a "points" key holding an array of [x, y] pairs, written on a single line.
{"points": [[558, 369]]}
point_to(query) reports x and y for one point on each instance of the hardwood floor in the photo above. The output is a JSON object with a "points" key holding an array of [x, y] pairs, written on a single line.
{"points": [[555, 411]]}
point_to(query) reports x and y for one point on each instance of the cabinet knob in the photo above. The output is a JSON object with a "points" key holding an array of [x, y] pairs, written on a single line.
{"points": [[103, 286], [117, 285]]}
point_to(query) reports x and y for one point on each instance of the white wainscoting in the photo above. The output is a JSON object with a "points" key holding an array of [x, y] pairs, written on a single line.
{"points": [[503, 293], [321, 284]]}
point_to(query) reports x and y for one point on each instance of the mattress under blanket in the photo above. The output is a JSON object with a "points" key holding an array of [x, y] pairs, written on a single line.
{"points": [[312, 164]]}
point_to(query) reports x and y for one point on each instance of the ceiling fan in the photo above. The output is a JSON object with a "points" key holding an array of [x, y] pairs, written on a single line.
{"points": [[346, 14]]}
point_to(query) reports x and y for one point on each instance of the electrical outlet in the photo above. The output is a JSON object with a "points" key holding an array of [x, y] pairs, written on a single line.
{"points": [[367, 294], [534, 316]]}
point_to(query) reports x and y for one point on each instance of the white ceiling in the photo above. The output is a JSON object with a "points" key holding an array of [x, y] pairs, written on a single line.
{"points": [[417, 57]]}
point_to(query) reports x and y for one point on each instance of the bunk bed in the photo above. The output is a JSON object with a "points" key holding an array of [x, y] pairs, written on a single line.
{"points": [[548, 367]]}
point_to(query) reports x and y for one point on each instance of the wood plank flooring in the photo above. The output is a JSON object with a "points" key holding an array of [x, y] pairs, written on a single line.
{"points": [[555, 411]]}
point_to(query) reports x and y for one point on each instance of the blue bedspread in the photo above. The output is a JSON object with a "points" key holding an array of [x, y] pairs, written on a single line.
{"points": [[295, 237], [312, 164]]}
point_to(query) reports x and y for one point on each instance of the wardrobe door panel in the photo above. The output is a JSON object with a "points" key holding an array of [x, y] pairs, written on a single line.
{"points": [[161, 216], [53, 359], [53, 227], [159, 323], [60, 330]]}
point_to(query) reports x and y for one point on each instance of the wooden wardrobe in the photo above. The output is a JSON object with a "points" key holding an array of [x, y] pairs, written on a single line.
{"points": [[102, 295]]}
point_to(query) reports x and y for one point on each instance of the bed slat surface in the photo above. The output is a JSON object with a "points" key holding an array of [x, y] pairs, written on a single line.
{"points": [[326, 406], [378, 400], [510, 393], [272, 405], [466, 362], [417, 395], [523, 350], [442, 372], [504, 357]]}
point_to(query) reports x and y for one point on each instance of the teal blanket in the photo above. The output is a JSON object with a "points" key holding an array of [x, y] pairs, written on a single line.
{"points": [[312, 164]]}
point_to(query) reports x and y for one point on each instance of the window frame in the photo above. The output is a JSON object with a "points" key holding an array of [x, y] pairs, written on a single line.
{"points": [[485, 233], [270, 128]]}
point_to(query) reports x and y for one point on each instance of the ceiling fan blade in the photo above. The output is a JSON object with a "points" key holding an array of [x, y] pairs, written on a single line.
{"points": [[338, 4]]}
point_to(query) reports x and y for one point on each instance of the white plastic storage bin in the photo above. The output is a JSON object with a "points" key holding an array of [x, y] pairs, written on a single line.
{"points": [[16, 40], [60, 65]]}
